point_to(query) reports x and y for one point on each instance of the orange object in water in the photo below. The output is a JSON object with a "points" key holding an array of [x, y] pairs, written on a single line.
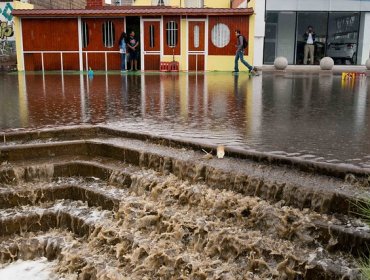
{"points": [[164, 67], [174, 66]]}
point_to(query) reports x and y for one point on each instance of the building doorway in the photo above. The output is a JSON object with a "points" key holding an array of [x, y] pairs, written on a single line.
{"points": [[196, 39], [151, 46], [133, 24]]}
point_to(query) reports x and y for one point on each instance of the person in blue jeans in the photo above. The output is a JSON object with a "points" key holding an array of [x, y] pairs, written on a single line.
{"points": [[240, 54], [123, 50]]}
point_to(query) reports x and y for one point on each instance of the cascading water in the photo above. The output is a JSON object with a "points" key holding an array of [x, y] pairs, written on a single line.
{"points": [[166, 216]]}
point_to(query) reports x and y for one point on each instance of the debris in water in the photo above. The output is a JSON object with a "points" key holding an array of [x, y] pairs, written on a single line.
{"points": [[220, 151], [208, 155]]}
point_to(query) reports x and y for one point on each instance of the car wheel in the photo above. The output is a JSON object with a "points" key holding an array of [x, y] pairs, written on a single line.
{"points": [[354, 58]]}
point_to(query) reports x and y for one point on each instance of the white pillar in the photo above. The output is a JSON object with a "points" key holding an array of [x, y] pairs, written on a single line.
{"points": [[20, 53], [259, 32], [80, 56], [364, 39]]}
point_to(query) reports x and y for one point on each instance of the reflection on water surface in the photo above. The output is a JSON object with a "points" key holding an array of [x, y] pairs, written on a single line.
{"points": [[317, 117]]}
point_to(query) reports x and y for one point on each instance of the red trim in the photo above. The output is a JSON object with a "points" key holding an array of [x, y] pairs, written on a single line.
{"points": [[130, 11]]}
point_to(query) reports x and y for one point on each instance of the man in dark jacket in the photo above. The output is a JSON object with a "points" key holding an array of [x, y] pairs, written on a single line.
{"points": [[240, 55], [309, 38]]}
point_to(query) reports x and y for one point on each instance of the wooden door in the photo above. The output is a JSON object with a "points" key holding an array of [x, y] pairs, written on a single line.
{"points": [[196, 39], [152, 44]]}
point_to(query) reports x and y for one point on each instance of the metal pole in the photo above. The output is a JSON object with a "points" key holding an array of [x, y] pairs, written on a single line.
{"points": [[61, 61], [42, 62]]}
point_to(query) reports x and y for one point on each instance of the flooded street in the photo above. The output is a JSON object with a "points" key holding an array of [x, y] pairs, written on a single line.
{"points": [[310, 116], [116, 177]]}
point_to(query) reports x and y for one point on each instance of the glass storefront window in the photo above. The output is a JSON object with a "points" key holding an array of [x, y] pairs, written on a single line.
{"points": [[343, 31], [280, 36], [318, 21], [340, 35]]}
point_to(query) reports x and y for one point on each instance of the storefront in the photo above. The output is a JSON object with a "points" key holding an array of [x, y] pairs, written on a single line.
{"points": [[342, 30], [199, 39]]}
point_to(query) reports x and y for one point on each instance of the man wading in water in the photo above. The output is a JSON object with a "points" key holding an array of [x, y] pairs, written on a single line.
{"points": [[241, 45]]}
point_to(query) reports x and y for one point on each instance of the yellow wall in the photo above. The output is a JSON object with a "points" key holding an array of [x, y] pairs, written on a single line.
{"points": [[142, 3], [217, 3], [18, 37], [176, 3]]}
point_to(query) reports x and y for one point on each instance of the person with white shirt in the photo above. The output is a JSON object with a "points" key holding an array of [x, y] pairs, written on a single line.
{"points": [[309, 49]]}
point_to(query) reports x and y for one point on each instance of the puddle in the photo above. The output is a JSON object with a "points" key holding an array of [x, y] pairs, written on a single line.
{"points": [[300, 115]]}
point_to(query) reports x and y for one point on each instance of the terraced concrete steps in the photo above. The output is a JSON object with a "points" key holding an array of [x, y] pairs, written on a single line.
{"points": [[106, 132], [300, 189], [150, 208], [87, 221]]}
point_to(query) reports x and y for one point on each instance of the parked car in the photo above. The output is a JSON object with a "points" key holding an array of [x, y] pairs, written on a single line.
{"points": [[343, 49]]}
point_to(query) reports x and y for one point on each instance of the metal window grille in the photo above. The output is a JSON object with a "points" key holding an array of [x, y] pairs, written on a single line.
{"points": [[151, 36], [196, 36], [220, 35], [108, 34], [172, 33], [85, 34]]}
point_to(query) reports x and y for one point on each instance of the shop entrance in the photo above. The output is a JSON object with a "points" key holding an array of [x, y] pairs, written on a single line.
{"points": [[133, 24]]}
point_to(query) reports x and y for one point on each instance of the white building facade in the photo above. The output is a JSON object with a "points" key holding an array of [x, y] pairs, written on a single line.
{"points": [[342, 30]]}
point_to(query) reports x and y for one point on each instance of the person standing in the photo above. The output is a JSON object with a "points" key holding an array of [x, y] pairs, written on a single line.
{"points": [[133, 45], [123, 50], [309, 48], [241, 45]]}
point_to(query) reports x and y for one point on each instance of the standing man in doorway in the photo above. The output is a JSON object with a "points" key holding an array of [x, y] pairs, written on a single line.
{"points": [[133, 46], [242, 43], [309, 48]]}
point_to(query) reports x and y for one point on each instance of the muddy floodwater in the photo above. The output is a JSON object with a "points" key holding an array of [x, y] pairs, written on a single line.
{"points": [[116, 177], [311, 116]]}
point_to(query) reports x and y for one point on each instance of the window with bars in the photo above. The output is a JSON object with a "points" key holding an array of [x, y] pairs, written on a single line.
{"points": [[220, 35], [151, 36], [172, 33], [108, 34], [85, 34]]}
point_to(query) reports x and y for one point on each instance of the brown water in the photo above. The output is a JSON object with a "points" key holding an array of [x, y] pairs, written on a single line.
{"points": [[311, 116], [163, 228]]}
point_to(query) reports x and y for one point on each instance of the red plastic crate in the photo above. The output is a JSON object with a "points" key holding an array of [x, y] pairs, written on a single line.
{"points": [[174, 66], [164, 67]]}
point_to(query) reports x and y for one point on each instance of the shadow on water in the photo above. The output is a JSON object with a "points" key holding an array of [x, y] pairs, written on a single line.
{"points": [[316, 117]]}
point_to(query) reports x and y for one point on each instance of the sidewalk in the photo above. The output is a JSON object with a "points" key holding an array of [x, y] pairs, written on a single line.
{"points": [[337, 69]]}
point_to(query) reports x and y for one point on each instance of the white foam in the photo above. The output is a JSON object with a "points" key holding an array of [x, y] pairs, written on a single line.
{"points": [[39, 269]]}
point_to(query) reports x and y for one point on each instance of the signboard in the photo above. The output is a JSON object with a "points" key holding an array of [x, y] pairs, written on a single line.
{"points": [[7, 38]]}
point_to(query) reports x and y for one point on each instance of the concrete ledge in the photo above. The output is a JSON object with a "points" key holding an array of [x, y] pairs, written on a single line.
{"points": [[337, 69], [71, 137], [326, 72]]}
